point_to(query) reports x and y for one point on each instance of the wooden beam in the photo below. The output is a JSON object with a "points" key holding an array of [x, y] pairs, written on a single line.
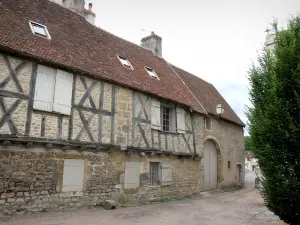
{"points": [[133, 117], [43, 125], [70, 131], [100, 116], [59, 127], [10, 94], [86, 125], [88, 91], [95, 111], [113, 112], [30, 98], [143, 135], [12, 127]]}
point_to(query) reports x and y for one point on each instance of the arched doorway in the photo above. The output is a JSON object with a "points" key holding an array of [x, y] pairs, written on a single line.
{"points": [[210, 166]]}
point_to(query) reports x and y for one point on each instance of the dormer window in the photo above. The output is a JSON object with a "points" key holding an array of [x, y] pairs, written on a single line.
{"points": [[39, 29], [125, 62], [151, 72]]}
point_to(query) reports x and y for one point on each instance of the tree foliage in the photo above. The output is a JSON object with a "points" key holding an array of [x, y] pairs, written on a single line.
{"points": [[248, 144], [274, 121]]}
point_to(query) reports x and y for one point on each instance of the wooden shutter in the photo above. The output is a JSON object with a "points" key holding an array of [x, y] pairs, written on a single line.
{"points": [[44, 88], [166, 173], [63, 92], [132, 175], [155, 114], [73, 175], [180, 115]]}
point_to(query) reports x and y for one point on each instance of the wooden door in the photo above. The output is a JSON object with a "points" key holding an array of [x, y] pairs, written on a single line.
{"points": [[210, 164]]}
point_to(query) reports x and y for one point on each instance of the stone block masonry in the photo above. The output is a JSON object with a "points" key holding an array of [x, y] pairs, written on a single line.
{"points": [[31, 179]]}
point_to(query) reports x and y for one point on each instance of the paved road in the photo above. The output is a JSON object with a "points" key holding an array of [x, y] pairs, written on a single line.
{"points": [[243, 207]]}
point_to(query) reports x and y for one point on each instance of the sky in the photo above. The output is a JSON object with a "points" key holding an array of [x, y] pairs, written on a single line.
{"points": [[216, 40]]}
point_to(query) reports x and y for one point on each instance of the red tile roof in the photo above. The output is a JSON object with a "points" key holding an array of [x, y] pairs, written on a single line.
{"points": [[78, 46], [207, 95]]}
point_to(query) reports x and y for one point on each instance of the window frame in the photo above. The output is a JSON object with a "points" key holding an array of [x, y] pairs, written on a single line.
{"points": [[207, 119], [121, 57], [151, 72], [154, 167], [172, 118], [47, 34]]}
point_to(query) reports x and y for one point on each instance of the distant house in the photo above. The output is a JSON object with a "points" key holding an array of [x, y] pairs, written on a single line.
{"points": [[250, 161], [87, 116]]}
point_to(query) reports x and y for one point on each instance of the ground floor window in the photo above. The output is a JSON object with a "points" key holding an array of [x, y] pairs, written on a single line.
{"points": [[154, 173]]}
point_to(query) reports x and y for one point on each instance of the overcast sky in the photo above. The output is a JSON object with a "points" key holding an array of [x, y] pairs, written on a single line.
{"points": [[214, 39]]}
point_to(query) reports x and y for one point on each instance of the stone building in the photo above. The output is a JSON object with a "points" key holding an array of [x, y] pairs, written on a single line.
{"points": [[87, 116]]}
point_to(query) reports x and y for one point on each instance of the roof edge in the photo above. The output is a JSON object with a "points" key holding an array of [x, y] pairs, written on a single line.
{"points": [[24, 55]]}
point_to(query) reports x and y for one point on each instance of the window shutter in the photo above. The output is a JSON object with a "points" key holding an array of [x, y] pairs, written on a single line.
{"points": [[63, 92], [132, 175], [155, 114], [166, 173], [180, 115], [44, 88], [73, 175]]}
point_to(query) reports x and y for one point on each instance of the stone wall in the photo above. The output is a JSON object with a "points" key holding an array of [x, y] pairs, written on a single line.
{"points": [[230, 140], [31, 179]]}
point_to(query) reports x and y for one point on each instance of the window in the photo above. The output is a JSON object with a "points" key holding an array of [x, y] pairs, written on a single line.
{"points": [[164, 116], [71, 182], [228, 165], [125, 62], [39, 29], [166, 119], [53, 90], [207, 123], [160, 173], [154, 173], [151, 72]]}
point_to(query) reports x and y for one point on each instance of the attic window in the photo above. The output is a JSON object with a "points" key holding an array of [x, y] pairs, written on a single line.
{"points": [[125, 62], [151, 72], [39, 29]]}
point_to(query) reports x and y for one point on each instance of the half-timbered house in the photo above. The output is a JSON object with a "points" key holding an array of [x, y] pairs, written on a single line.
{"points": [[87, 116]]}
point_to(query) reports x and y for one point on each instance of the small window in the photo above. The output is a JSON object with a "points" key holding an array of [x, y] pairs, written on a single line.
{"points": [[168, 123], [166, 119], [151, 72], [125, 62], [229, 165], [207, 123], [39, 29], [154, 173]]}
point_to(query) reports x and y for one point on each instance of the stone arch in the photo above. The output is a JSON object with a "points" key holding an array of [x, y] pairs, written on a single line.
{"points": [[219, 156]]}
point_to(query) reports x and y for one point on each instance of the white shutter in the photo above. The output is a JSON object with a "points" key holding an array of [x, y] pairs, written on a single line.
{"points": [[155, 114], [180, 114], [73, 175], [132, 175], [44, 88], [166, 173], [63, 92]]}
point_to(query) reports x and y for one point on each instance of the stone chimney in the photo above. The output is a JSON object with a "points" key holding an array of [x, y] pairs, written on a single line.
{"points": [[89, 15], [153, 43], [74, 5], [77, 6]]}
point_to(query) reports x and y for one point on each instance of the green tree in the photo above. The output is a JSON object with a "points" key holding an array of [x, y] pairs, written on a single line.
{"points": [[274, 121], [248, 144]]}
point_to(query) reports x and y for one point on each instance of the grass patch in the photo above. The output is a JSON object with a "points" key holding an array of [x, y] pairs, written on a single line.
{"points": [[164, 200], [123, 205], [187, 196]]}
